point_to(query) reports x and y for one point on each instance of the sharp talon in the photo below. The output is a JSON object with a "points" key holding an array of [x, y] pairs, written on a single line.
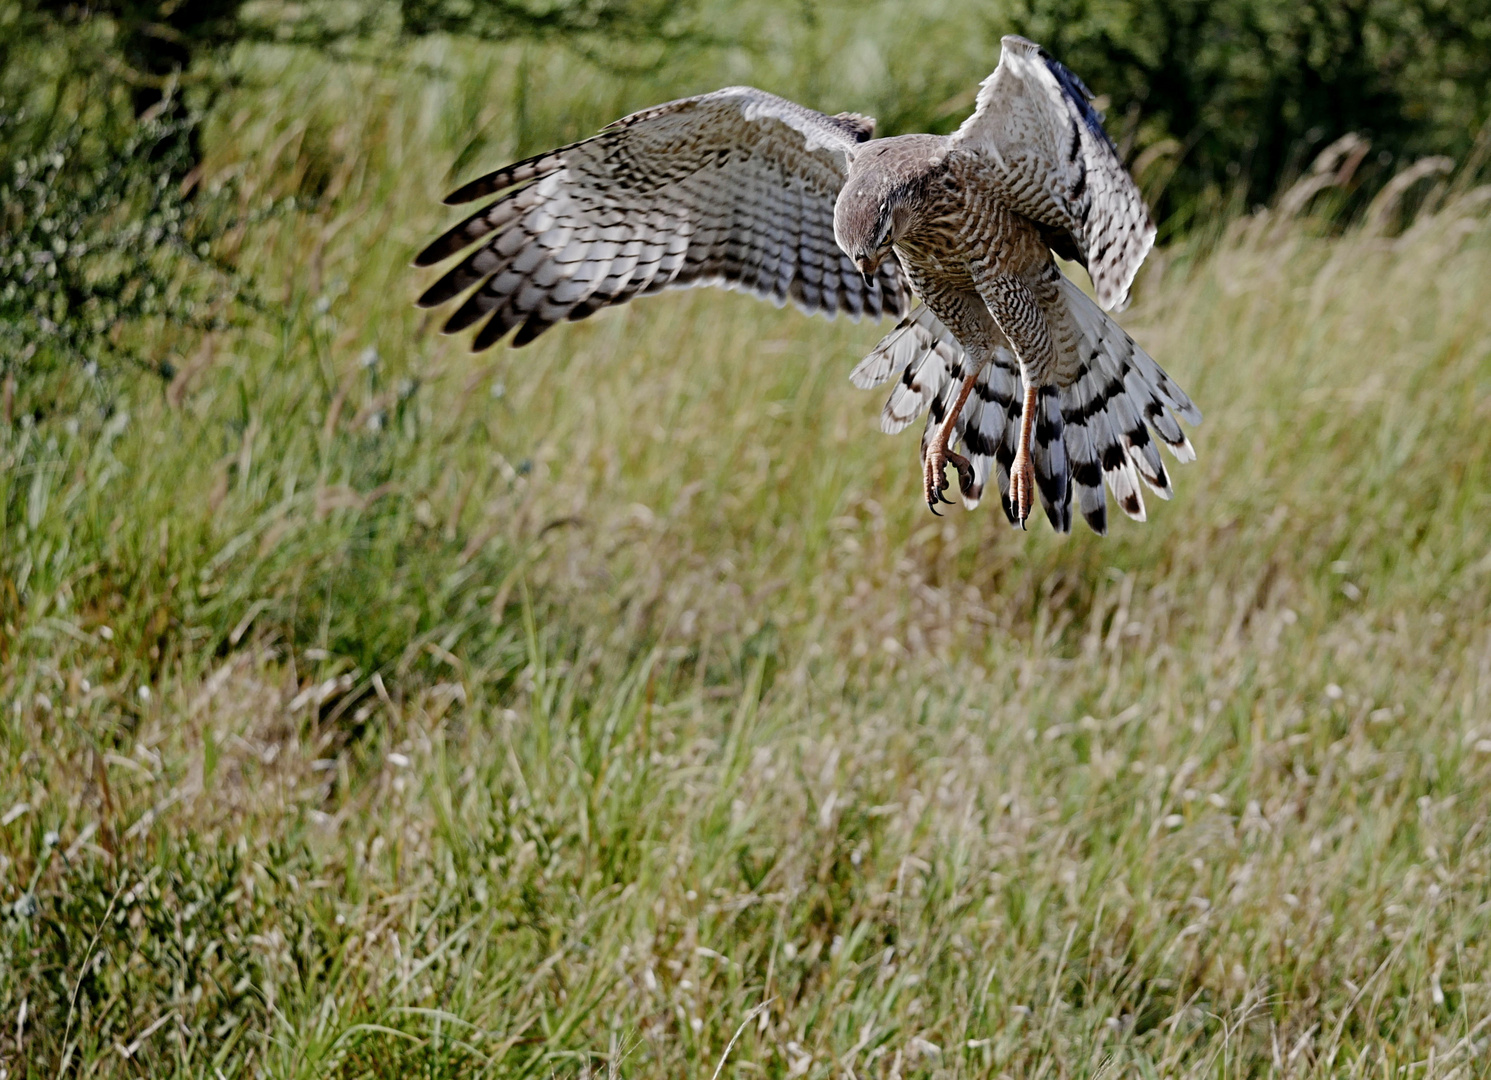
{"points": [[933, 507]]}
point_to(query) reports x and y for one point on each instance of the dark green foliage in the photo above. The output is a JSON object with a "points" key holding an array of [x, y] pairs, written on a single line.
{"points": [[1236, 95], [155, 40], [99, 236], [105, 238], [630, 20]]}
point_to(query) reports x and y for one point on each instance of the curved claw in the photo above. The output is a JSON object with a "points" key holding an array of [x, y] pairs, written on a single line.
{"points": [[965, 473], [933, 482]]}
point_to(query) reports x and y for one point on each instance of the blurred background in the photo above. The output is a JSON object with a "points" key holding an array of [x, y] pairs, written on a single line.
{"points": [[121, 118], [370, 708]]}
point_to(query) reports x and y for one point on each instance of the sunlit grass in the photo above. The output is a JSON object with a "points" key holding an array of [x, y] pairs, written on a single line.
{"points": [[376, 709]]}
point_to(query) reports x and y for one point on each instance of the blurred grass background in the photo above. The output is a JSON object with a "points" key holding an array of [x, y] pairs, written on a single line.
{"points": [[374, 709]]}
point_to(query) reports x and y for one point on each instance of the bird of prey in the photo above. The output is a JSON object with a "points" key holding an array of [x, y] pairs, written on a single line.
{"points": [[1015, 363]]}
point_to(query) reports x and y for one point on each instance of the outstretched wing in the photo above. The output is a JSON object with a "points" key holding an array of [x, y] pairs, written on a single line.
{"points": [[1055, 164], [733, 188]]}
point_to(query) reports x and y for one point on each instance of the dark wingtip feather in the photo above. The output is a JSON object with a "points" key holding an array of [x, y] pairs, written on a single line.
{"points": [[482, 185], [529, 330], [462, 318], [432, 253], [476, 305], [519, 172], [445, 245], [457, 280], [435, 295], [491, 333], [505, 318], [1079, 95]]}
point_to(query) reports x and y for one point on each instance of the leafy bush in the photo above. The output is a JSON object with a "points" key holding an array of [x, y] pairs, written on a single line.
{"points": [[105, 240], [1234, 97], [100, 236]]}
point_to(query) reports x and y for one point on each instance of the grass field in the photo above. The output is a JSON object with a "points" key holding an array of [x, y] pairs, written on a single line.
{"points": [[373, 709]]}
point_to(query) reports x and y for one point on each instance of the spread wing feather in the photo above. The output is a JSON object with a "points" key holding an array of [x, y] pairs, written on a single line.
{"points": [[734, 188], [1054, 163]]}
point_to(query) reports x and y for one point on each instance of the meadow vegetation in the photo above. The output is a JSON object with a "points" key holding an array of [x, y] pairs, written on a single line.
{"points": [[375, 709]]}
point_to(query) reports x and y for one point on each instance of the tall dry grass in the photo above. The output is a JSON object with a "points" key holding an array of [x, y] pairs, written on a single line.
{"points": [[377, 709]]}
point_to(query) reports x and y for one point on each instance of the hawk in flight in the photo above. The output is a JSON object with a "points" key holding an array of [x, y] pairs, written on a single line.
{"points": [[1016, 365]]}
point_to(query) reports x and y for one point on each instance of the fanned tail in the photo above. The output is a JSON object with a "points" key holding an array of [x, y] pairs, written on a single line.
{"points": [[1094, 430], [1116, 398]]}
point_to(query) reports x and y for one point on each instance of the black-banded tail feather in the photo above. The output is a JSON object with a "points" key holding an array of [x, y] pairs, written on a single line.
{"points": [[1099, 429], [1117, 402], [922, 356], [1053, 477]]}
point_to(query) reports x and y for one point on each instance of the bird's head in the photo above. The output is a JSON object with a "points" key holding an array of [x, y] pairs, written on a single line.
{"points": [[867, 221], [877, 207]]}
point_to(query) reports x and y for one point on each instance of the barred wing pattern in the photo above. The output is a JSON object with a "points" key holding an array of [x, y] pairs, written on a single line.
{"points": [[732, 188], [1054, 163], [1096, 429]]}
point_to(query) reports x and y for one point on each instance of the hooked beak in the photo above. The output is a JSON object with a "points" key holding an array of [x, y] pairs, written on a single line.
{"points": [[868, 264]]}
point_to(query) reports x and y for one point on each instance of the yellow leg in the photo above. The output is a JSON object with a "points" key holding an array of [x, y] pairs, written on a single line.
{"points": [[1022, 470], [934, 478]]}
